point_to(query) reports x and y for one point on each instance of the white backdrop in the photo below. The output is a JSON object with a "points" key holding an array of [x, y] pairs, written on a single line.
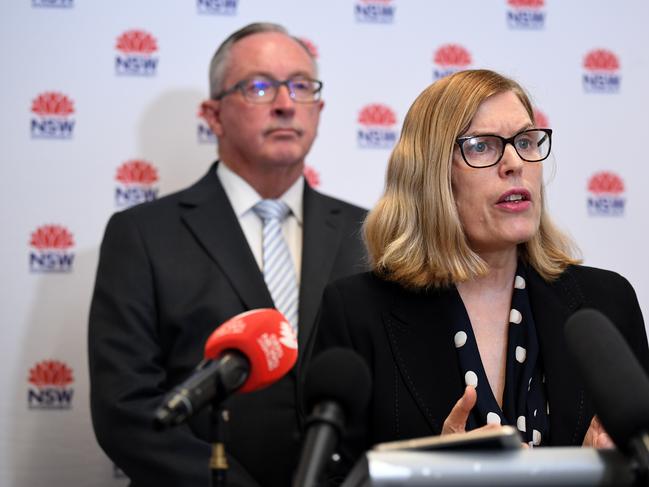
{"points": [[99, 111]]}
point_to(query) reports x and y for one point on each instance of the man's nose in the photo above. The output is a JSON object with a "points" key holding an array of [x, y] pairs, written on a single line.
{"points": [[283, 101]]}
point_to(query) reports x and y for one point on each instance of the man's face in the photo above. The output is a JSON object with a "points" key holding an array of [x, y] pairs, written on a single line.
{"points": [[265, 136]]}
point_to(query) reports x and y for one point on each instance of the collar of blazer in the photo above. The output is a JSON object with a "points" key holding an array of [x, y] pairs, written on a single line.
{"points": [[423, 350]]}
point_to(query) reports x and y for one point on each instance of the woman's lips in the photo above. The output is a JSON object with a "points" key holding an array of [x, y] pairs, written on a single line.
{"points": [[515, 200]]}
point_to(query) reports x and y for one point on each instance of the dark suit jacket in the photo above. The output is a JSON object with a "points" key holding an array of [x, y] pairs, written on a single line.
{"points": [[404, 337], [169, 273]]}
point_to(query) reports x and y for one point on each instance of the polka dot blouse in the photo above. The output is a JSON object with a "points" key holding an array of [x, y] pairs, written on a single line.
{"points": [[524, 399]]}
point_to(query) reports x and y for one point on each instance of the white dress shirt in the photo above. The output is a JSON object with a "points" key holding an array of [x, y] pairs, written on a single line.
{"points": [[243, 197]]}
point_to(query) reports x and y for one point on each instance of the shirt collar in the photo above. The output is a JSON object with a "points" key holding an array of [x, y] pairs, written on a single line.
{"points": [[243, 197]]}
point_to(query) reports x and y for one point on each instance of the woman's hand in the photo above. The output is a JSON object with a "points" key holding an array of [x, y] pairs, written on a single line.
{"points": [[596, 436], [455, 422]]}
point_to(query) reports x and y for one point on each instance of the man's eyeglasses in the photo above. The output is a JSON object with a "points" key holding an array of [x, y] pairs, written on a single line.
{"points": [[262, 89], [531, 145]]}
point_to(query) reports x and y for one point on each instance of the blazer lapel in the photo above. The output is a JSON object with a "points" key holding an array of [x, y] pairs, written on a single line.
{"points": [[552, 304], [321, 238], [421, 342], [210, 217]]}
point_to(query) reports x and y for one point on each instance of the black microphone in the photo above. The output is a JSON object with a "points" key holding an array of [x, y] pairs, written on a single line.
{"points": [[615, 381], [248, 352], [212, 378], [337, 387]]}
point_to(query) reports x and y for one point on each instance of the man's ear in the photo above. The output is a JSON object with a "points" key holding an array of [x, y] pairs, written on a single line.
{"points": [[210, 112]]}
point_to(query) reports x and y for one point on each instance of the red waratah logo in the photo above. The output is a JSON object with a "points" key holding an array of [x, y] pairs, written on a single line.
{"points": [[50, 373], [452, 55], [312, 177], [311, 47], [52, 103], [137, 172], [541, 119], [605, 182], [377, 115], [526, 3], [601, 60], [51, 237], [136, 42]]}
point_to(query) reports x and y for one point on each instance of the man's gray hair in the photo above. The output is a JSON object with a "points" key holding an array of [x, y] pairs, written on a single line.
{"points": [[219, 62]]}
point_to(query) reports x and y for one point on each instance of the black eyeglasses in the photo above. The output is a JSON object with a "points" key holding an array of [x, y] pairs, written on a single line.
{"points": [[532, 145], [263, 89]]}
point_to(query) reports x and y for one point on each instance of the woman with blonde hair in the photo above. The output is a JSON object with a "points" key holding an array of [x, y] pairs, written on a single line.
{"points": [[461, 317]]}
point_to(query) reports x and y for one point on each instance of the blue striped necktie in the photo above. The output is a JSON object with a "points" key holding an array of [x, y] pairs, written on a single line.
{"points": [[279, 271]]}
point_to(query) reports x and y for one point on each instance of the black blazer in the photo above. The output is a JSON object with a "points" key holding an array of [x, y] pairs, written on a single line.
{"points": [[169, 273], [416, 377]]}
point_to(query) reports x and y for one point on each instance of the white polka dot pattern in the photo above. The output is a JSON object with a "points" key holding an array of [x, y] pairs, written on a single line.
{"points": [[459, 339], [515, 316], [521, 353], [524, 388], [519, 283], [493, 418], [471, 379], [520, 423]]}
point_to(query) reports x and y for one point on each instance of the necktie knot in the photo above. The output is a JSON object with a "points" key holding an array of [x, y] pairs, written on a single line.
{"points": [[271, 210]]}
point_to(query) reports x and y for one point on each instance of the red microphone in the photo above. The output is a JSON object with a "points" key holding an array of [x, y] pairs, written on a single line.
{"points": [[248, 352]]}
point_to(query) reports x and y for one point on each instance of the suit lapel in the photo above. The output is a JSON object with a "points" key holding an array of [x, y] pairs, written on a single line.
{"points": [[421, 342], [321, 237], [552, 304], [208, 214]]}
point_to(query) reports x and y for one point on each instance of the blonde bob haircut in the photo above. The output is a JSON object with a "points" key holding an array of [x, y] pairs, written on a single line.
{"points": [[414, 234]]}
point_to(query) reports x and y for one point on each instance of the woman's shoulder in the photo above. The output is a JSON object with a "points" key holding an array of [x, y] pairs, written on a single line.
{"points": [[597, 285], [595, 276]]}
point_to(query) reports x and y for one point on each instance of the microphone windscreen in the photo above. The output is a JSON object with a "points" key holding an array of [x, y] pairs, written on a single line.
{"points": [[339, 375], [614, 379], [267, 340]]}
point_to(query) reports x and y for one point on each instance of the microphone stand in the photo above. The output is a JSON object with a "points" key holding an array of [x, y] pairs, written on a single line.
{"points": [[218, 461]]}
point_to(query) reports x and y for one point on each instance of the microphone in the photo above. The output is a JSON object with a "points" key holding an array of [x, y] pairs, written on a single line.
{"points": [[616, 382], [337, 386], [248, 352]]}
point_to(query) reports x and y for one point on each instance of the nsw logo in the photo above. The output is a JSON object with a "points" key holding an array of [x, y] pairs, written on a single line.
{"points": [[449, 59], [50, 384], [541, 119], [204, 134], [526, 14], [376, 127], [51, 117], [374, 11], [312, 176], [217, 7], [601, 72], [606, 195], [310, 46], [53, 3], [136, 183], [51, 249], [136, 49]]}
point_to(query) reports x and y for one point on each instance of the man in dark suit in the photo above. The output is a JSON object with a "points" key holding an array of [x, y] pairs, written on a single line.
{"points": [[171, 271]]}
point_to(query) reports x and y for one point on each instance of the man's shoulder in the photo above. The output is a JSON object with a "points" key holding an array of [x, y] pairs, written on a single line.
{"points": [[191, 195], [334, 203]]}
